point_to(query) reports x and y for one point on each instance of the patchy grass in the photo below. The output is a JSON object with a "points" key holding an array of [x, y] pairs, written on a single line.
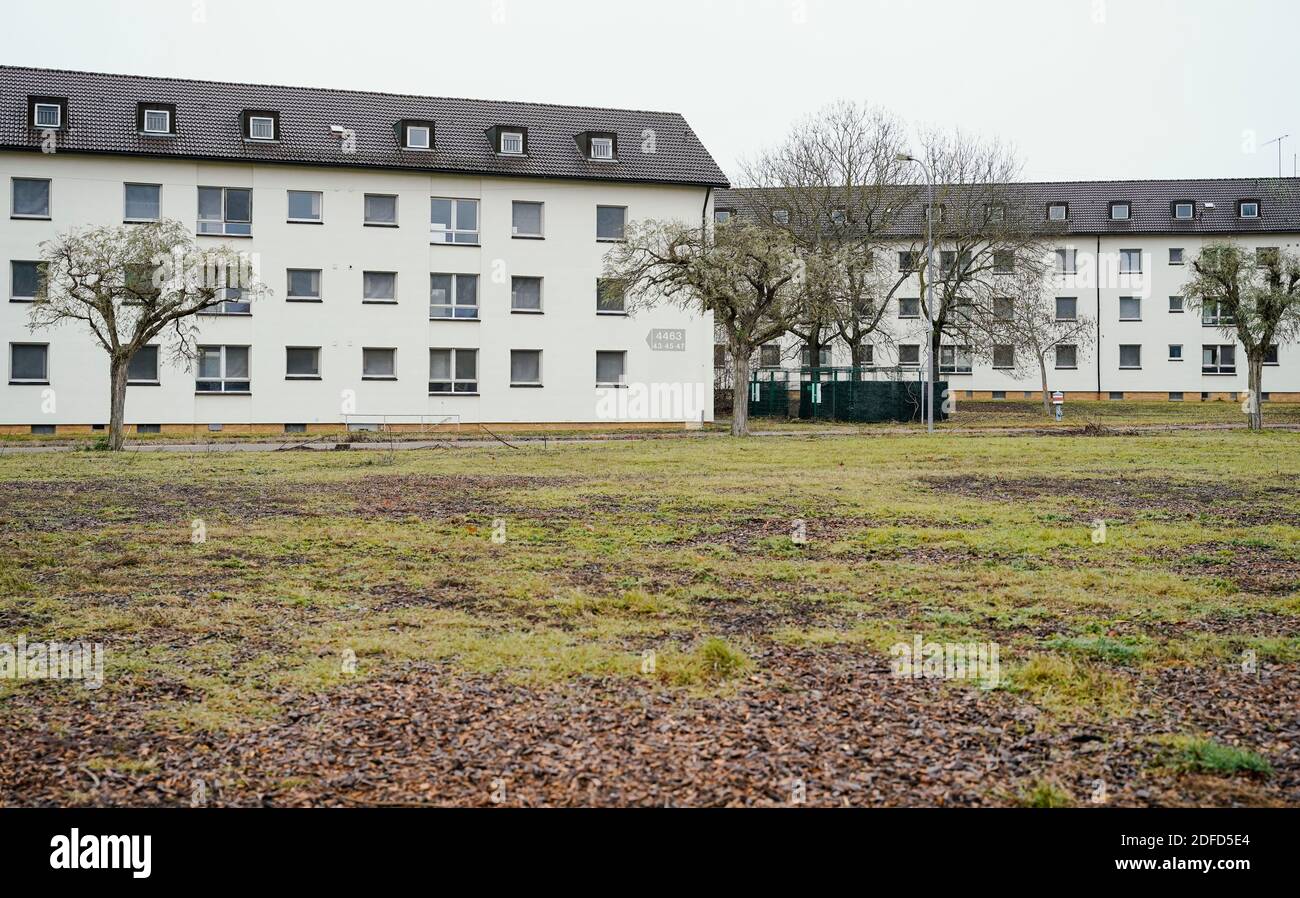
{"points": [[1196, 754]]}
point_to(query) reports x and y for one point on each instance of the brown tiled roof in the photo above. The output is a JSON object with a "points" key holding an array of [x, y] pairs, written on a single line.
{"points": [[102, 119]]}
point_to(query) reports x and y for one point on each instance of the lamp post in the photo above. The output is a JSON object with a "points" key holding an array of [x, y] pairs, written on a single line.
{"points": [[928, 403]]}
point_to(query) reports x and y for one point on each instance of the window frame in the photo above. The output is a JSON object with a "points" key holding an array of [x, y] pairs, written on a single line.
{"points": [[1126, 256], [126, 199], [909, 299], [1131, 300], [603, 140], [373, 300], [156, 380], [915, 346], [956, 354], [621, 383], [541, 295], [289, 375], [155, 110], [1275, 351], [37, 263], [1065, 211], [428, 137], [1181, 308], [452, 232], [1120, 350], [1056, 357], [1066, 254], [540, 234], [505, 133], [1056, 308], [526, 383], [622, 296], [225, 221], [37, 106], [368, 222], [44, 379], [622, 230], [1176, 357], [320, 206], [454, 296], [1181, 260], [290, 296], [391, 350], [13, 198], [455, 379], [1011, 361], [224, 378], [1219, 368], [1116, 205], [1177, 204], [1241, 209], [252, 116]]}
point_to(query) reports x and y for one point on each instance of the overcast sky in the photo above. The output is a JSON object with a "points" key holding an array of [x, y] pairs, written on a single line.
{"points": [[1082, 88]]}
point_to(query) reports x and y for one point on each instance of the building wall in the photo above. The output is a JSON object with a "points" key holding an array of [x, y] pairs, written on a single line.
{"points": [[88, 190]]}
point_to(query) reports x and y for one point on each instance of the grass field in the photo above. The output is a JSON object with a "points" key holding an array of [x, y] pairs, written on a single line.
{"points": [[633, 623]]}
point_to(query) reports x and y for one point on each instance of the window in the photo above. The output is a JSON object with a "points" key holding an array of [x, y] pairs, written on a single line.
{"points": [[1270, 354], [260, 127], [722, 216], [935, 213], [295, 428], [378, 363], [1220, 359], [223, 369], [611, 297], [995, 212], [1130, 355], [1175, 352], [512, 143], [157, 121], [1066, 261], [1130, 308], [948, 261], [1058, 211], [611, 222], [453, 220], [1215, 313], [1004, 357], [867, 358], [1067, 356], [1004, 261], [1248, 209], [304, 285], [998, 394], [31, 198], [602, 148], [769, 356], [379, 286], [909, 307], [1175, 305], [302, 363], [610, 368], [1067, 308], [47, 115], [954, 359], [525, 294], [418, 137], [525, 219], [1120, 211], [225, 210], [453, 296], [1175, 256], [453, 371], [1004, 308], [25, 280], [305, 206], [909, 354], [143, 367], [1176, 396], [381, 210], [909, 261], [29, 363], [232, 303], [1184, 210], [823, 357], [1130, 261], [781, 216], [525, 367], [143, 202], [1115, 395]]}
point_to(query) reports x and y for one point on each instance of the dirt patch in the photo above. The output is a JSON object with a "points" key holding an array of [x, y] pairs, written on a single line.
{"points": [[1251, 568], [429, 497]]}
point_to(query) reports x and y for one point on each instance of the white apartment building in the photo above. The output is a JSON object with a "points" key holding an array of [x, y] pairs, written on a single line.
{"points": [[1122, 253], [429, 260]]}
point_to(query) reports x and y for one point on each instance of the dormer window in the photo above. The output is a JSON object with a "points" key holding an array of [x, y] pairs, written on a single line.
{"points": [[1184, 210], [415, 134], [1120, 211], [1248, 209], [1058, 211], [261, 125], [156, 119], [781, 216], [47, 112], [602, 148], [508, 140], [512, 143]]}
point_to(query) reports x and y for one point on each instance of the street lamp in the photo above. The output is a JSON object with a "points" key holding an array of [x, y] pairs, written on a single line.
{"points": [[928, 403]]}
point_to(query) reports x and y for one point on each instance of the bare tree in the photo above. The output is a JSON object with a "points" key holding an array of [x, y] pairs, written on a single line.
{"points": [[130, 284], [1252, 296], [747, 276]]}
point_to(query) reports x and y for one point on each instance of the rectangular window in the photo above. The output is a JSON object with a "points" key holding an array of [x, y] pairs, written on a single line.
{"points": [[909, 307], [1175, 256], [909, 261], [453, 371], [1130, 261], [909, 354], [31, 198], [525, 219], [769, 356], [302, 363], [261, 127], [1130, 308], [381, 209], [305, 206], [225, 210], [1066, 261], [143, 202], [512, 143], [721, 216], [610, 368], [417, 137], [1219, 359], [143, 367], [223, 369], [1067, 356], [1215, 313], [453, 220], [611, 222], [525, 367], [453, 296], [1119, 211], [1115, 395], [611, 297], [48, 115], [304, 285], [1183, 211], [1058, 211], [1270, 354], [1130, 355], [378, 363], [25, 280], [1004, 357], [954, 360], [1176, 396], [525, 294], [998, 394], [602, 148], [867, 359], [379, 286], [1248, 209], [1067, 308], [948, 261], [781, 216], [1176, 305], [1004, 308], [233, 302], [823, 357], [29, 363], [1004, 262], [157, 121], [1175, 352]]}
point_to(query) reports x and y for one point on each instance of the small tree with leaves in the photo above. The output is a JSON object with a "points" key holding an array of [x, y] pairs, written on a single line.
{"points": [[747, 276], [132, 285], [1253, 296]]}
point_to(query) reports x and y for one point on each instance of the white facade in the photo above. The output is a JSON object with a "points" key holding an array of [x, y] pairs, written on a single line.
{"points": [[88, 190]]}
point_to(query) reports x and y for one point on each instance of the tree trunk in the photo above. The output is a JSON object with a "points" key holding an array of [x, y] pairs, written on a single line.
{"points": [[117, 403], [1255, 361], [740, 391], [1047, 398]]}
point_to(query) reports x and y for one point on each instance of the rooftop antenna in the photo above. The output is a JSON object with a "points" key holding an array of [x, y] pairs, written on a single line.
{"points": [[1278, 141]]}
